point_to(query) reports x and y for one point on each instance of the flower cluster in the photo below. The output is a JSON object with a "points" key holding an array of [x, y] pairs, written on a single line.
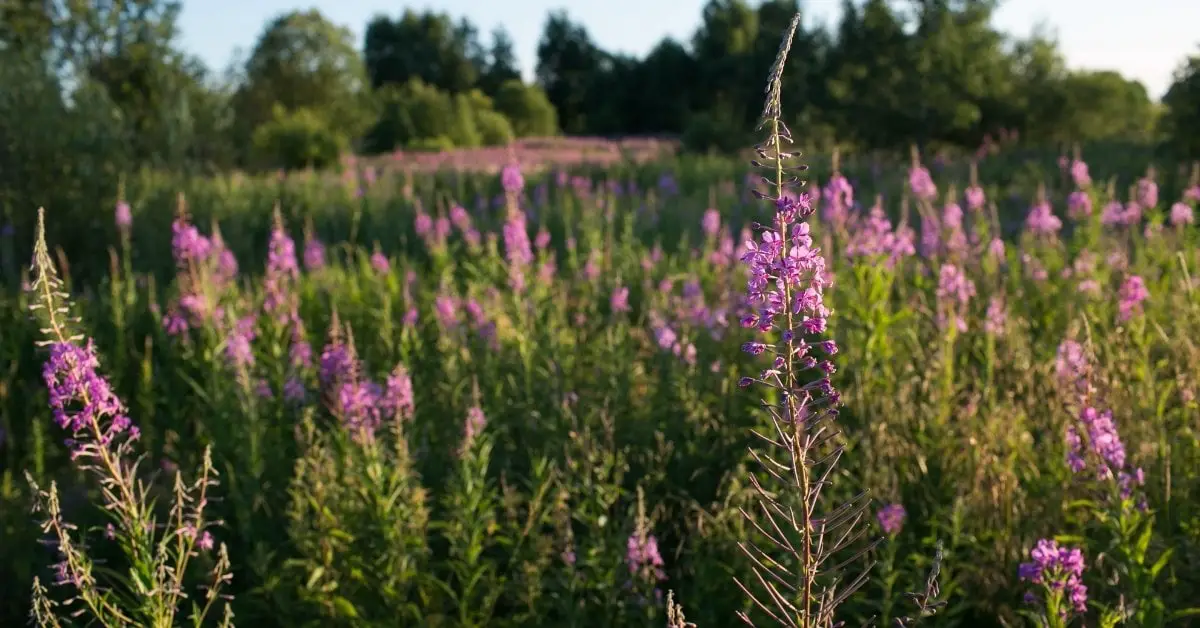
{"points": [[82, 401], [643, 558], [974, 197], [921, 183], [1059, 569], [875, 237], [1106, 449], [473, 426], [1133, 293], [282, 271], [1042, 221], [954, 292], [891, 518]]}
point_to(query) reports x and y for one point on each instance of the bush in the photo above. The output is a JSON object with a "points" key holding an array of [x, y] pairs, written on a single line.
{"points": [[432, 144], [715, 130], [463, 130], [527, 109], [416, 114], [297, 139], [494, 128]]}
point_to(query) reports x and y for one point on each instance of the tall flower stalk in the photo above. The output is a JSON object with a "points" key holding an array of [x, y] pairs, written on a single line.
{"points": [[799, 583], [152, 591]]}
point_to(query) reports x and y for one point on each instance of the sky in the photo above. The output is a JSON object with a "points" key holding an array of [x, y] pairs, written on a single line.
{"points": [[1145, 40]]}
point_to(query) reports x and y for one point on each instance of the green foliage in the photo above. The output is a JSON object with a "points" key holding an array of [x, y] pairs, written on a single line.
{"points": [[303, 62], [718, 129], [56, 154], [427, 46], [1181, 121], [494, 129], [416, 112], [584, 406], [567, 65], [297, 139], [527, 109]]}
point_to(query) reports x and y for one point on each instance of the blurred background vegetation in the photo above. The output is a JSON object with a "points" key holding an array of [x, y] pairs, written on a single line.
{"points": [[91, 92]]}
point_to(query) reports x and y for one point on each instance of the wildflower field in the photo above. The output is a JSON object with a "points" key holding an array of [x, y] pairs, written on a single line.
{"points": [[954, 391]]}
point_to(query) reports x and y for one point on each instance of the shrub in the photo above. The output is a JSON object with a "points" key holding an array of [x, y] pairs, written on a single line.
{"points": [[527, 108], [297, 139]]}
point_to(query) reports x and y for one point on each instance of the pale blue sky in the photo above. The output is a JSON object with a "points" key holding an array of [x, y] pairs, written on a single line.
{"points": [[1145, 39]]}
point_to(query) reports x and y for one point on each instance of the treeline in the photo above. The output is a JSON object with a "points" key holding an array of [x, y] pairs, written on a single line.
{"points": [[104, 87]]}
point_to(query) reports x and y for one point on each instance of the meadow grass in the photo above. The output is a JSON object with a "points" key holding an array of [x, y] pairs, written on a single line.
{"points": [[565, 399]]}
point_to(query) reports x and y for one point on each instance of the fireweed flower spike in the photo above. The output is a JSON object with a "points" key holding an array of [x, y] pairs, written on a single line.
{"points": [[101, 443], [1059, 572], [796, 584]]}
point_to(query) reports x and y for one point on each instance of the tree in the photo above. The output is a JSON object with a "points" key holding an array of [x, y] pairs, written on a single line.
{"points": [[297, 138], [1181, 122], [1106, 106], [868, 76], [527, 109], [302, 61], [567, 66], [417, 114], [724, 47], [960, 64], [501, 63], [428, 46]]}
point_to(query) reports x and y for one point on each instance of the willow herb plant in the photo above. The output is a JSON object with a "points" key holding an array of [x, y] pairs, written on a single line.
{"points": [[803, 569], [148, 585]]}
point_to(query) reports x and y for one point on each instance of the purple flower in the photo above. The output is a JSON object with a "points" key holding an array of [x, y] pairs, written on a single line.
{"points": [[445, 308], [974, 197], [227, 266], [711, 223], [1079, 205], [1147, 192], [473, 426], [293, 390], [1079, 173], [398, 393], [238, 349], [1070, 364], [1102, 440], [460, 218], [81, 400], [996, 250], [891, 518], [921, 183], [124, 216], [380, 263], [282, 270], [954, 285], [511, 179], [1042, 221], [1057, 569], [954, 291], [337, 361], [620, 299], [358, 406], [997, 314], [542, 240], [516, 248], [839, 197], [1133, 293], [642, 557], [1181, 214], [314, 253], [188, 245]]}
